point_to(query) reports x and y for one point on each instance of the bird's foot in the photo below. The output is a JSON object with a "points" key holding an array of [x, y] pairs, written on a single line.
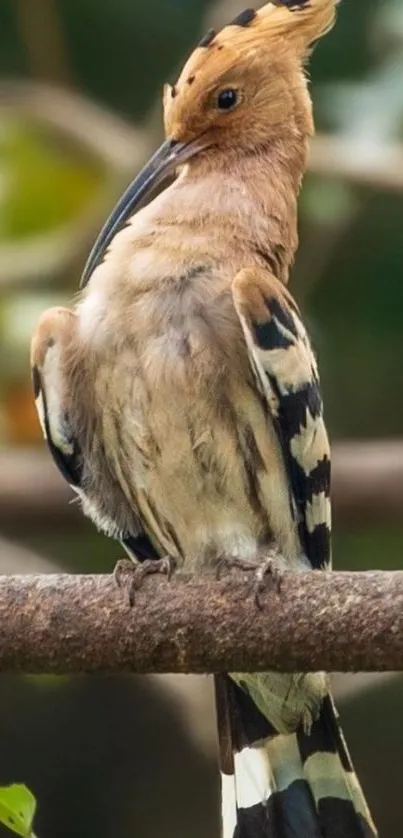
{"points": [[131, 575], [226, 564], [269, 577], [267, 574]]}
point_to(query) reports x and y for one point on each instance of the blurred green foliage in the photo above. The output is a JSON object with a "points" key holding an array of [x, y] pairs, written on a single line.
{"points": [[357, 307], [120, 51], [44, 183]]}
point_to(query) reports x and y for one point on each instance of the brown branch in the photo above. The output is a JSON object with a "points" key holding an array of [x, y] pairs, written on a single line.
{"points": [[368, 481], [331, 621]]}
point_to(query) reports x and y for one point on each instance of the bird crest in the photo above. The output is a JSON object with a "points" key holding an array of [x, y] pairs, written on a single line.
{"points": [[272, 41], [292, 25]]}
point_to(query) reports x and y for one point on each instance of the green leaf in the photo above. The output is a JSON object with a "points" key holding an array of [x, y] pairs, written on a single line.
{"points": [[17, 809]]}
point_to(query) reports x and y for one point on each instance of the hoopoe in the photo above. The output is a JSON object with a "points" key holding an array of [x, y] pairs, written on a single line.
{"points": [[181, 400]]}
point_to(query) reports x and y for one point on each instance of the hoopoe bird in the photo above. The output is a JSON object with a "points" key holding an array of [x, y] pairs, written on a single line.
{"points": [[181, 400]]}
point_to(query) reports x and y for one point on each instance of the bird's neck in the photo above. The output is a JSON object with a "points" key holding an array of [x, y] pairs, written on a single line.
{"points": [[248, 200]]}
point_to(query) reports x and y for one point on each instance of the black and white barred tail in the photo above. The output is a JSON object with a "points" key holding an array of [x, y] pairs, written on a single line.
{"points": [[299, 784]]}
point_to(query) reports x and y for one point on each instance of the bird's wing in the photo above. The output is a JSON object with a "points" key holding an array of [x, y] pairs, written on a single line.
{"points": [[287, 376], [53, 404], [51, 399]]}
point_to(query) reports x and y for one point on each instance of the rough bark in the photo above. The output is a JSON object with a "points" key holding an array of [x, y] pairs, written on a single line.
{"points": [[332, 621]]}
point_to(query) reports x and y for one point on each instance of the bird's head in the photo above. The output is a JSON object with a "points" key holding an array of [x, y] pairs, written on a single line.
{"points": [[246, 86], [240, 91]]}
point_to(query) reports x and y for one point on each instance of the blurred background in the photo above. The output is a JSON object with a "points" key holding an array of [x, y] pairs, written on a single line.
{"points": [[80, 84]]}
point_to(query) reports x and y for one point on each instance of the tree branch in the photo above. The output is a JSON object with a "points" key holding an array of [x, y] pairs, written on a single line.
{"points": [[330, 621]]}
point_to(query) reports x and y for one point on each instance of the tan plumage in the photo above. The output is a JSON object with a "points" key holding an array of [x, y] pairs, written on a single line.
{"points": [[181, 398], [270, 49]]}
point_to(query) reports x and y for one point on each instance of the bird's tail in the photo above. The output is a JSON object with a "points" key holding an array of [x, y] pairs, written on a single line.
{"points": [[285, 785]]}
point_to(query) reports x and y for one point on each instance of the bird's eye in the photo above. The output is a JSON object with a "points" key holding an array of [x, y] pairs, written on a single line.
{"points": [[228, 99]]}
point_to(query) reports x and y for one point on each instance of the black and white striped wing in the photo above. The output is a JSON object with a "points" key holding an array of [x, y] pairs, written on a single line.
{"points": [[286, 374]]}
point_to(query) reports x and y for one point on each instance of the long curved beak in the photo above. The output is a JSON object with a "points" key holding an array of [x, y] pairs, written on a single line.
{"points": [[164, 162]]}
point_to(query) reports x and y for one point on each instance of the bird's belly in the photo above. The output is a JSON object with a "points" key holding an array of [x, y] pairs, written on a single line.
{"points": [[193, 447], [197, 491], [199, 458]]}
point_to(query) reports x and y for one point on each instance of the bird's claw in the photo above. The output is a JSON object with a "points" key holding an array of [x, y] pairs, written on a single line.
{"points": [[267, 575], [268, 578], [227, 564], [132, 574]]}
